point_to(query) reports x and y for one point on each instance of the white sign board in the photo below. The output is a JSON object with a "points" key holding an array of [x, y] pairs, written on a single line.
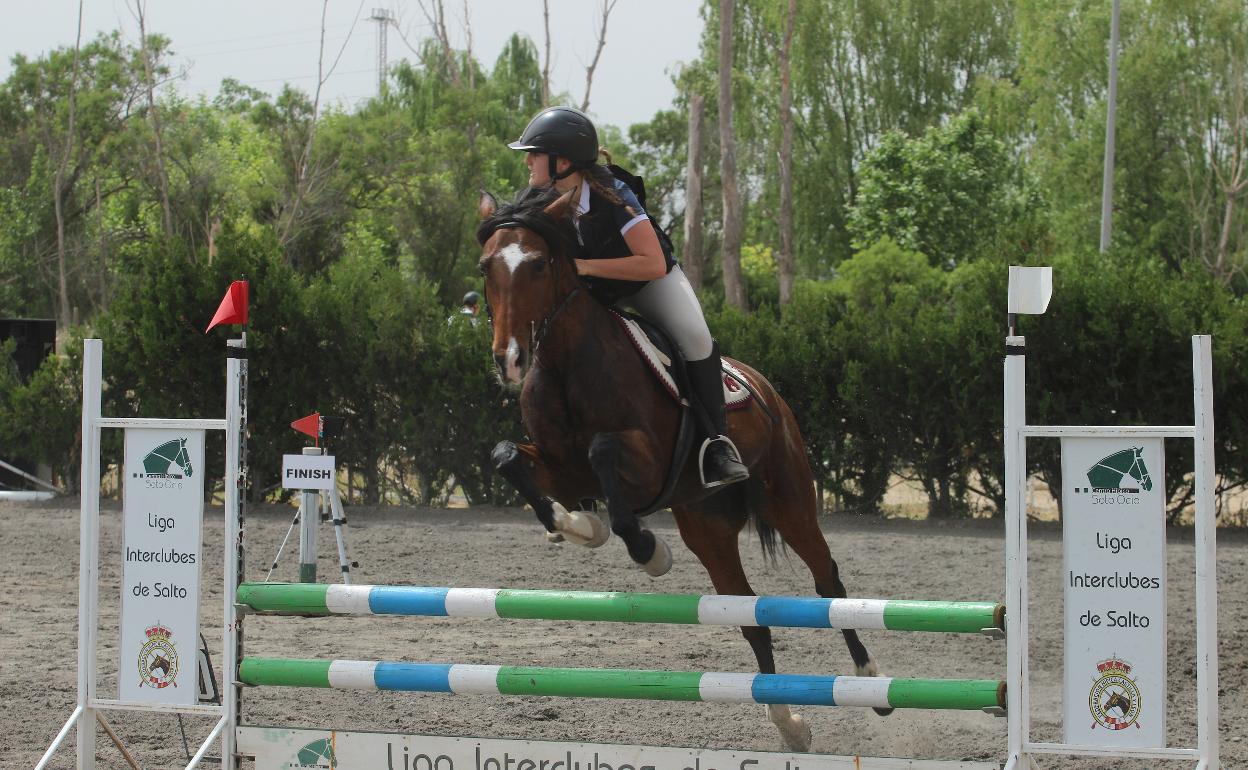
{"points": [[277, 748], [162, 515], [1114, 576], [308, 471]]}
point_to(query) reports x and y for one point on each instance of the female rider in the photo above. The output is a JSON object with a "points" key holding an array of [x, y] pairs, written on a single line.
{"points": [[623, 262]]}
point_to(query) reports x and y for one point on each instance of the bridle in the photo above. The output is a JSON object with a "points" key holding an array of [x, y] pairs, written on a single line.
{"points": [[537, 329]]}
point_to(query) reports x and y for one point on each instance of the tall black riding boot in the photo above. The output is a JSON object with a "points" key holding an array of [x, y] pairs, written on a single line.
{"points": [[718, 460]]}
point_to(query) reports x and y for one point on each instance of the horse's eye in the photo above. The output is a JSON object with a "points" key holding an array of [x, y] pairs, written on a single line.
{"points": [[539, 266], [482, 269]]}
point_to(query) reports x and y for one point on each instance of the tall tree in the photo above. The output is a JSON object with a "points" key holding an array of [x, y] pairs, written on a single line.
{"points": [[693, 258], [784, 260], [58, 188], [546, 57], [734, 289], [153, 115]]}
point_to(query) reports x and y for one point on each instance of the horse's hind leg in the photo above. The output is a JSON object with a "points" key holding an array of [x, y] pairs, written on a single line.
{"points": [[713, 539], [621, 461], [791, 512]]}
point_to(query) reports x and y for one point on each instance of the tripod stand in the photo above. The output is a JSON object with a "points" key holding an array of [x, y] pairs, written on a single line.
{"points": [[315, 506]]}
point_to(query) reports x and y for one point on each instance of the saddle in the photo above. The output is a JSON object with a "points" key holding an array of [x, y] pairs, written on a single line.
{"points": [[665, 362]]}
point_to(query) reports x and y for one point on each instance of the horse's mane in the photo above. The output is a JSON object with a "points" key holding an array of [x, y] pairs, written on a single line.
{"points": [[528, 210]]}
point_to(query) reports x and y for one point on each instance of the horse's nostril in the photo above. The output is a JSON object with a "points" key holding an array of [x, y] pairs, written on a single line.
{"points": [[500, 360]]}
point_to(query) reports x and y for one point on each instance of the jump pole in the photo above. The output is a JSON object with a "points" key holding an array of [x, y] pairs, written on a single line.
{"points": [[627, 684], [319, 599]]}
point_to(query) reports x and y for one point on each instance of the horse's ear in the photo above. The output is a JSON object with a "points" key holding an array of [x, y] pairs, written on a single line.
{"points": [[487, 205], [562, 206]]}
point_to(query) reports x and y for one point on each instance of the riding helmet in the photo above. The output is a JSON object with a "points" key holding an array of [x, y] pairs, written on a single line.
{"points": [[562, 131], [471, 299]]}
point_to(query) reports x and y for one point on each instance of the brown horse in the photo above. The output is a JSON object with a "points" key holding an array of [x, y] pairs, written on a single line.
{"points": [[603, 428]]}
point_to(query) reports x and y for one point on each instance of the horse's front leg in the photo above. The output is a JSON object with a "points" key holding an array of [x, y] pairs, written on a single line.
{"points": [[623, 461], [524, 468]]}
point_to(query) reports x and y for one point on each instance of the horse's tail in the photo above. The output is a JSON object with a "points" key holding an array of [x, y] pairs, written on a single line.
{"points": [[754, 493], [747, 497]]}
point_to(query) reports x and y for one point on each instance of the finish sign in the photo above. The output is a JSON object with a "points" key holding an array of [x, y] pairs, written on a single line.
{"points": [[308, 471], [162, 514], [1114, 576]]}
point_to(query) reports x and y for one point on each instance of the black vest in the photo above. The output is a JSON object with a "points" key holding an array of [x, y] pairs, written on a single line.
{"points": [[600, 238]]}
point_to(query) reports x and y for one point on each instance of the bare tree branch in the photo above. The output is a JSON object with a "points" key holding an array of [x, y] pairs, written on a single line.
{"points": [[140, 14], [607, 7], [436, 16], [546, 60], [472, 73], [302, 186]]}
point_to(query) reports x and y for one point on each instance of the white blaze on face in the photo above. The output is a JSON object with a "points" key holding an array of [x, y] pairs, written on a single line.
{"points": [[513, 255], [511, 364]]}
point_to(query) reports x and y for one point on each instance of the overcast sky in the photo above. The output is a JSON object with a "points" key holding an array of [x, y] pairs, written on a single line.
{"points": [[265, 43]]}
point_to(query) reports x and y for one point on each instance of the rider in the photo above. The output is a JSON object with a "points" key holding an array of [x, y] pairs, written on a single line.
{"points": [[626, 265], [469, 310]]}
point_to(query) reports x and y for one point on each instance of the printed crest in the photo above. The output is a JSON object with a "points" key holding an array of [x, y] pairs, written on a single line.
{"points": [[1114, 699], [158, 659]]}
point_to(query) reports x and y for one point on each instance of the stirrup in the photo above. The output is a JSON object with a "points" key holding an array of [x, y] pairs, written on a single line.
{"points": [[736, 455]]}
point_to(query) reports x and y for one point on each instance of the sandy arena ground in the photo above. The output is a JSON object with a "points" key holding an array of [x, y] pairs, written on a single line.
{"points": [[505, 548]]}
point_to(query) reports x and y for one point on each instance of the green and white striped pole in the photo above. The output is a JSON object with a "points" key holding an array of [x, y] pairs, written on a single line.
{"points": [[789, 689], [687, 609]]}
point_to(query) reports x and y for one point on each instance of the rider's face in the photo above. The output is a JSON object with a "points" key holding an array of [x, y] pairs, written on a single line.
{"points": [[539, 168]]}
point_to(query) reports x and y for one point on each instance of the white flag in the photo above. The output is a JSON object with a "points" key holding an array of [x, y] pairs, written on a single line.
{"points": [[1031, 288]]}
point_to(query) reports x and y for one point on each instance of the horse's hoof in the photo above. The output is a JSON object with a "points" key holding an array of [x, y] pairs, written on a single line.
{"points": [[661, 561], [793, 729], [871, 669], [554, 537], [581, 527]]}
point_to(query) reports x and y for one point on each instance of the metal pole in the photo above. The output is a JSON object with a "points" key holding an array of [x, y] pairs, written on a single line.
{"points": [[235, 481], [1107, 183], [88, 548], [1206, 558], [309, 520], [1015, 551]]}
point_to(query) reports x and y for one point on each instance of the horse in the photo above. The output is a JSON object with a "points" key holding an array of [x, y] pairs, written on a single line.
{"points": [[602, 428]]}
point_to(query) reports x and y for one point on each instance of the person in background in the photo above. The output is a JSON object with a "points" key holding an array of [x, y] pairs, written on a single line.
{"points": [[471, 308]]}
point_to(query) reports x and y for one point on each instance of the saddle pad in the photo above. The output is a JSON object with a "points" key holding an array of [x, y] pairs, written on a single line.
{"points": [[736, 395]]}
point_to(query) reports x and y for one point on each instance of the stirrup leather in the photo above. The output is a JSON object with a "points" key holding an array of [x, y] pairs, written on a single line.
{"points": [[736, 455]]}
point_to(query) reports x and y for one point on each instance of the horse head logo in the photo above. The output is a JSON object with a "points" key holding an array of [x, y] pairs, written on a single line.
{"points": [[171, 453], [1108, 472], [1120, 701]]}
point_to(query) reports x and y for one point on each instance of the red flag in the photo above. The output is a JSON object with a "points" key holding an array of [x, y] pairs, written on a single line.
{"points": [[233, 309], [310, 425]]}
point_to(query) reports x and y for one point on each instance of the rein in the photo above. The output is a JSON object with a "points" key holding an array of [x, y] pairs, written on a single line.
{"points": [[535, 338]]}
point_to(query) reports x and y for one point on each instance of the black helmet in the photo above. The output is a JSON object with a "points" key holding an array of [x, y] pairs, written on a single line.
{"points": [[471, 299], [562, 131]]}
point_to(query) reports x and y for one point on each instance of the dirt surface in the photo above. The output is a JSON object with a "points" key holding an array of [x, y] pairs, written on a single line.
{"points": [[505, 548]]}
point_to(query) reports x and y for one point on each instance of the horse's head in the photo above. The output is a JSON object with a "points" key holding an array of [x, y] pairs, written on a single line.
{"points": [[528, 273]]}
